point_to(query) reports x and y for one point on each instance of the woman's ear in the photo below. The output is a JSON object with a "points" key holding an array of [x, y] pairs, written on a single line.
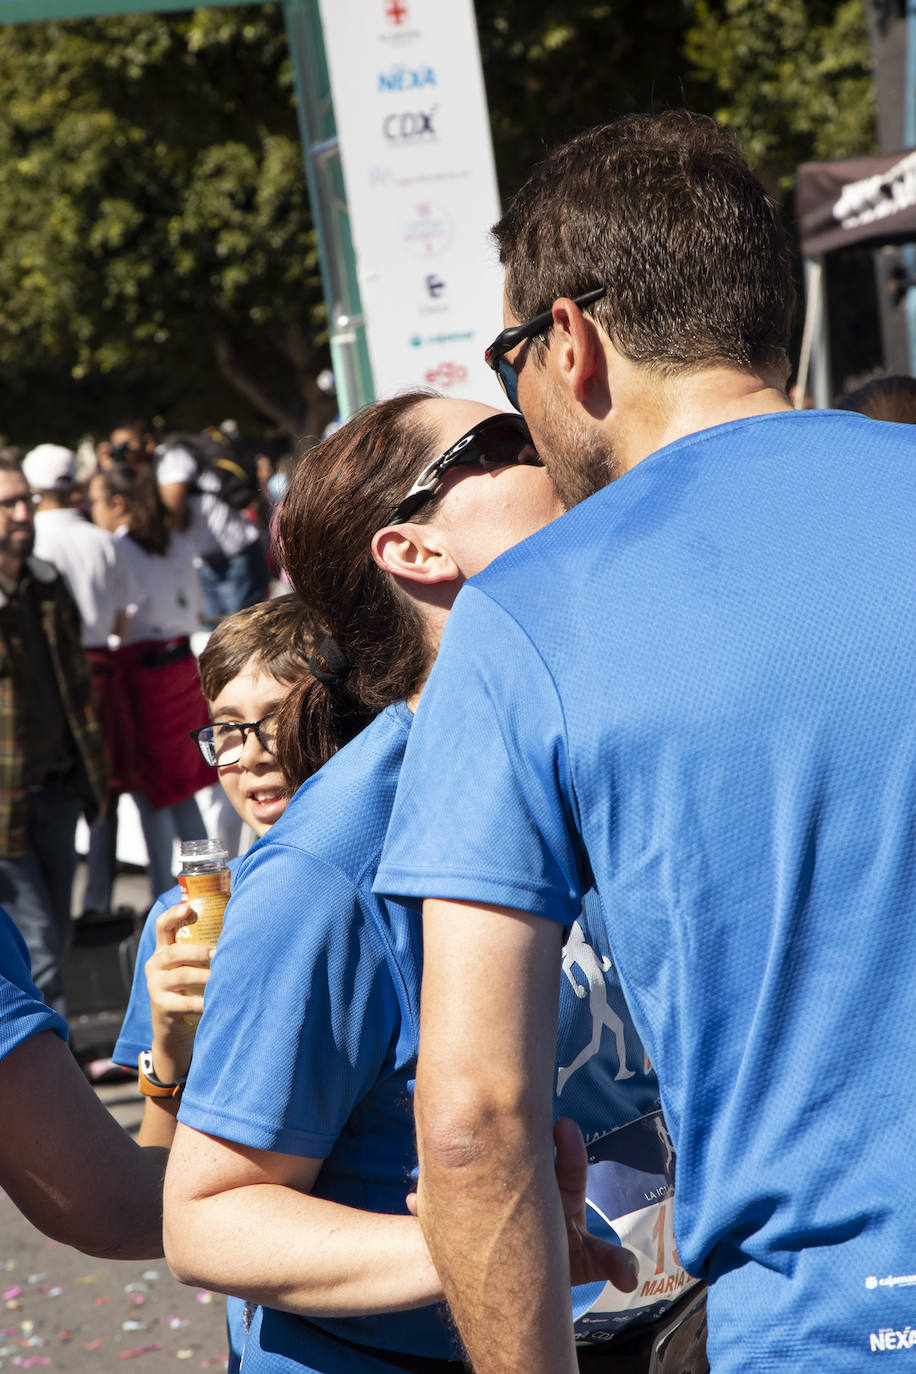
{"points": [[416, 553]]}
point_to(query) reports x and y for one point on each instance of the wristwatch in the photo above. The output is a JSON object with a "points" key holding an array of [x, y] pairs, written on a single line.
{"points": [[150, 1085]]}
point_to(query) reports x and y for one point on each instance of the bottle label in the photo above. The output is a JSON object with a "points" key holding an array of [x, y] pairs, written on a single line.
{"points": [[207, 895]]}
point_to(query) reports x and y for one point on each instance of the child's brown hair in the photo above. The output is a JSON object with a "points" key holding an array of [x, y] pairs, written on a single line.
{"points": [[280, 635]]}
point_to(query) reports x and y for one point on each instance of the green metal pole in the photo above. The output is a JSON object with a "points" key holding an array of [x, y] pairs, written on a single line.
{"points": [[318, 130]]}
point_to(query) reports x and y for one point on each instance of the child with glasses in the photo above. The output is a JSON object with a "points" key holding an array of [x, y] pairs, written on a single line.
{"points": [[247, 669]]}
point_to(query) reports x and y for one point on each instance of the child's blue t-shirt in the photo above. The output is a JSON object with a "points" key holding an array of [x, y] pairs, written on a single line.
{"points": [[308, 1042], [135, 1036], [22, 1011], [702, 679]]}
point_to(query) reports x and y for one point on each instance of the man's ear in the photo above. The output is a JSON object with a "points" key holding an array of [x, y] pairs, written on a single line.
{"points": [[417, 553], [577, 345]]}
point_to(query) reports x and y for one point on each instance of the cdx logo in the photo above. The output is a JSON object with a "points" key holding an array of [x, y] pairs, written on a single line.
{"points": [[410, 125]]}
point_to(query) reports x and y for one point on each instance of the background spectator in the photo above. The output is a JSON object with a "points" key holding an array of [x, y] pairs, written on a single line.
{"points": [[98, 574], [53, 763], [884, 398], [160, 671]]}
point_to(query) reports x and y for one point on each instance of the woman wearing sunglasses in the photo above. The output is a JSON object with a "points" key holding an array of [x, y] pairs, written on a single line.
{"points": [[294, 1151]]}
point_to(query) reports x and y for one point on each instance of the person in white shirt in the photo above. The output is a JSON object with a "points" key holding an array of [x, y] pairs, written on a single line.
{"points": [[101, 581], [92, 564], [232, 567], [160, 671], [233, 570]]}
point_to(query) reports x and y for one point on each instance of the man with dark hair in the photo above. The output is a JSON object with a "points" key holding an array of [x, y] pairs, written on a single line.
{"points": [[53, 762], [694, 692]]}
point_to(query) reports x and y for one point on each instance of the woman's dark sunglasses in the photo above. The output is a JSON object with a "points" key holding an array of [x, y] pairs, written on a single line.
{"points": [[496, 442], [517, 333]]}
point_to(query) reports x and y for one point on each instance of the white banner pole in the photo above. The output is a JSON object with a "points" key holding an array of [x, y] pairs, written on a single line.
{"points": [[417, 157]]}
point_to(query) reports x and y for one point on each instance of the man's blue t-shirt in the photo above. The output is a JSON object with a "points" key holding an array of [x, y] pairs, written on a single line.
{"points": [[22, 1011], [698, 686]]}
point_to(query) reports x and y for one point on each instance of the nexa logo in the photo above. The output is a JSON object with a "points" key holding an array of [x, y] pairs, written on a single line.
{"points": [[403, 78], [410, 125]]}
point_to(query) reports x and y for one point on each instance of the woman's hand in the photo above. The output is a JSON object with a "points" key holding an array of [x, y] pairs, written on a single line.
{"points": [[590, 1260], [176, 975]]}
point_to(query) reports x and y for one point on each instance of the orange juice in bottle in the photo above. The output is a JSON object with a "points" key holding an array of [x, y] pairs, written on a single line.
{"points": [[204, 879]]}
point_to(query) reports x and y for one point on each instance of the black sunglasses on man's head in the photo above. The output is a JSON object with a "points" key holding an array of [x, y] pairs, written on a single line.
{"points": [[496, 442], [517, 333]]}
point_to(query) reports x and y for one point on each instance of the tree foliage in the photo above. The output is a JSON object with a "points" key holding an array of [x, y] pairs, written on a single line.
{"points": [[791, 77], [154, 222], [553, 69]]}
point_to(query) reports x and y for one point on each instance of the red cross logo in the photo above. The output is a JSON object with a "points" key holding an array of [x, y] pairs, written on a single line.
{"points": [[396, 12]]}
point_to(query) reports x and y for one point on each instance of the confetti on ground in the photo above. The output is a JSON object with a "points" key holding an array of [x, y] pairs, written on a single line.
{"points": [[102, 1317], [140, 1350]]}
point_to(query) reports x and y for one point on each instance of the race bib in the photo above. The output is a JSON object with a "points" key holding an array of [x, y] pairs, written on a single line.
{"points": [[630, 1199]]}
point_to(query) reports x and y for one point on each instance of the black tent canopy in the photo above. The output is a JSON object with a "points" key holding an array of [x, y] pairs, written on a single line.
{"points": [[852, 202]]}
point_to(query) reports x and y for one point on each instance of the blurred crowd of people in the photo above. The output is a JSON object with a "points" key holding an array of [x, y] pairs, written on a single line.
{"points": [[116, 560]]}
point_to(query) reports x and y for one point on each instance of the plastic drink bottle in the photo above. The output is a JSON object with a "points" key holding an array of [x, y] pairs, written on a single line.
{"points": [[204, 880]]}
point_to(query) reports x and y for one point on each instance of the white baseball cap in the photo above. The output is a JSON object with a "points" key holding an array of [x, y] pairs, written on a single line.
{"points": [[50, 467]]}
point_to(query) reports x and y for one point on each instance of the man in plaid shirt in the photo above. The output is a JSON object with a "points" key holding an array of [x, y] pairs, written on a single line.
{"points": [[53, 763]]}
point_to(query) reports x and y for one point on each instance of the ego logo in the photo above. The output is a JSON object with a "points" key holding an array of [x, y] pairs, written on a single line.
{"points": [[410, 125], [446, 375], [401, 78]]}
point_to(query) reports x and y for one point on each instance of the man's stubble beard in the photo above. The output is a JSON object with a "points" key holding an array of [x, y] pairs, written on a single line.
{"points": [[577, 463], [17, 544]]}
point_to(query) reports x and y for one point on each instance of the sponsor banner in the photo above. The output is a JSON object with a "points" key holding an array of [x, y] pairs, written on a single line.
{"points": [[417, 158], [630, 1200], [857, 200]]}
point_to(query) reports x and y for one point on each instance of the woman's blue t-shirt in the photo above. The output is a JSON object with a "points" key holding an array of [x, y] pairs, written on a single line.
{"points": [[308, 1044]]}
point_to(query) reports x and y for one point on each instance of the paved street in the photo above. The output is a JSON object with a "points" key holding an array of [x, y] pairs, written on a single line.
{"points": [[66, 1311]]}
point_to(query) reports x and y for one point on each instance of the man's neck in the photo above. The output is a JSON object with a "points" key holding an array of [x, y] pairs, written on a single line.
{"points": [[673, 407]]}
